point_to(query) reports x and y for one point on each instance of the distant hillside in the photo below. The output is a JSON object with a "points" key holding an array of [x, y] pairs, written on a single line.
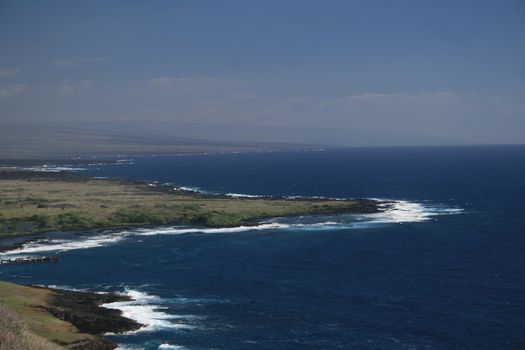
{"points": [[63, 141]]}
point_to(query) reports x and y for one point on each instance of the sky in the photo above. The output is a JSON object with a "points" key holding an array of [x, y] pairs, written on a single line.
{"points": [[353, 73]]}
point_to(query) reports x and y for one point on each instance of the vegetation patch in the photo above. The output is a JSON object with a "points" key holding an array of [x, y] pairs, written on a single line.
{"points": [[77, 203], [35, 318]]}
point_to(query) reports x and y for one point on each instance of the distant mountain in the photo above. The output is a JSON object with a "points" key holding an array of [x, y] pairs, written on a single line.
{"points": [[52, 140]]}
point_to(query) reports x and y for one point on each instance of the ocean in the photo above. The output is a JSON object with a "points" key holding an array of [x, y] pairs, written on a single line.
{"points": [[445, 269]]}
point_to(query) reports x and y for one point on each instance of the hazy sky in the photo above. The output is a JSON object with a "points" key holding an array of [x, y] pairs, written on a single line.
{"points": [[346, 72]]}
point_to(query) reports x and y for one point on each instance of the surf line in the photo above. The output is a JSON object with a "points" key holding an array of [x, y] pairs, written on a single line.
{"points": [[392, 211]]}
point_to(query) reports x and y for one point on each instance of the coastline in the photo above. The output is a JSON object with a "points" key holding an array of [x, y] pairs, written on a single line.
{"points": [[81, 318], [29, 194], [35, 203], [69, 319]]}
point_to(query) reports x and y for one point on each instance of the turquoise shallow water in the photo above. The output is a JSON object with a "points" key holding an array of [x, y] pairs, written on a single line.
{"points": [[444, 269]]}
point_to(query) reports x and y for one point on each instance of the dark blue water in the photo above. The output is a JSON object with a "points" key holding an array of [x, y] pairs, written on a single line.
{"points": [[453, 282]]}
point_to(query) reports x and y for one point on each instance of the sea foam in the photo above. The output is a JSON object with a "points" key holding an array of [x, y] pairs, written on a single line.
{"points": [[400, 211], [392, 211], [60, 245], [163, 346], [167, 346], [243, 195], [150, 311], [45, 168]]}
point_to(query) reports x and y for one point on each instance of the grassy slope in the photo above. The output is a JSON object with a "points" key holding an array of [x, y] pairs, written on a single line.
{"points": [[29, 206], [15, 335], [26, 324]]}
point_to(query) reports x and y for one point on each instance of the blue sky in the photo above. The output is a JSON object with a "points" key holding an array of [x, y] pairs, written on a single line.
{"points": [[345, 72]]}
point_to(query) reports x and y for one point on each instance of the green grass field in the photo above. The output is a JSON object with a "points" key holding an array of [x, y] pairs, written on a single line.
{"points": [[25, 322], [30, 205]]}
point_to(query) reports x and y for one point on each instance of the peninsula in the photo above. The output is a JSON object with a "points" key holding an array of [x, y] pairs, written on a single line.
{"points": [[33, 202]]}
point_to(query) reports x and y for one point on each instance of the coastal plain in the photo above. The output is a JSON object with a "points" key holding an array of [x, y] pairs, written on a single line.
{"points": [[36, 202]]}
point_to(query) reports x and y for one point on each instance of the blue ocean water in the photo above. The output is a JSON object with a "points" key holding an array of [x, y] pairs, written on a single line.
{"points": [[425, 279]]}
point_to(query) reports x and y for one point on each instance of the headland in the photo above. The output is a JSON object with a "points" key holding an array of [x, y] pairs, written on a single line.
{"points": [[34, 202]]}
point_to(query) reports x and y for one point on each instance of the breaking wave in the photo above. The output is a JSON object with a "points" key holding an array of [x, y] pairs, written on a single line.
{"points": [[56, 168], [60, 245], [167, 346], [150, 311], [163, 346], [404, 211], [392, 212], [245, 195], [242, 195], [45, 168]]}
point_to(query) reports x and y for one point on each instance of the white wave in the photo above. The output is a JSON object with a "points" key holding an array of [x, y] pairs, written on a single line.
{"points": [[164, 346], [188, 188], [185, 230], [242, 195], [60, 245], [47, 168], [53, 168], [128, 347], [61, 287], [391, 212], [97, 164], [102, 240], [404, 211], [316, 197], [167, 346], [149, 311], [124, 161], [192, 189]]}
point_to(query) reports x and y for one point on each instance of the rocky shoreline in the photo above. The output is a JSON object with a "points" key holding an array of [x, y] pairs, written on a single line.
{"points": [[41, 318], [83, 310], [17, 238]]}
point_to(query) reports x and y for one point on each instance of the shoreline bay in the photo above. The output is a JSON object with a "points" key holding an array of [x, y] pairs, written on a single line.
{"points": [[33, 203]]}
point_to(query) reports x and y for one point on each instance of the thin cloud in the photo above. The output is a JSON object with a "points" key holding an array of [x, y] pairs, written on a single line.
{"points": [[184, 82], [162, 81], [12, 91], [79, 61], [205, 83], [370, 97], [5, 72], [73, 88]]}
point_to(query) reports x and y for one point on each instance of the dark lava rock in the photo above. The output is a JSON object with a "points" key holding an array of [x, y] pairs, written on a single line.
{"points": [[83, 310]]}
